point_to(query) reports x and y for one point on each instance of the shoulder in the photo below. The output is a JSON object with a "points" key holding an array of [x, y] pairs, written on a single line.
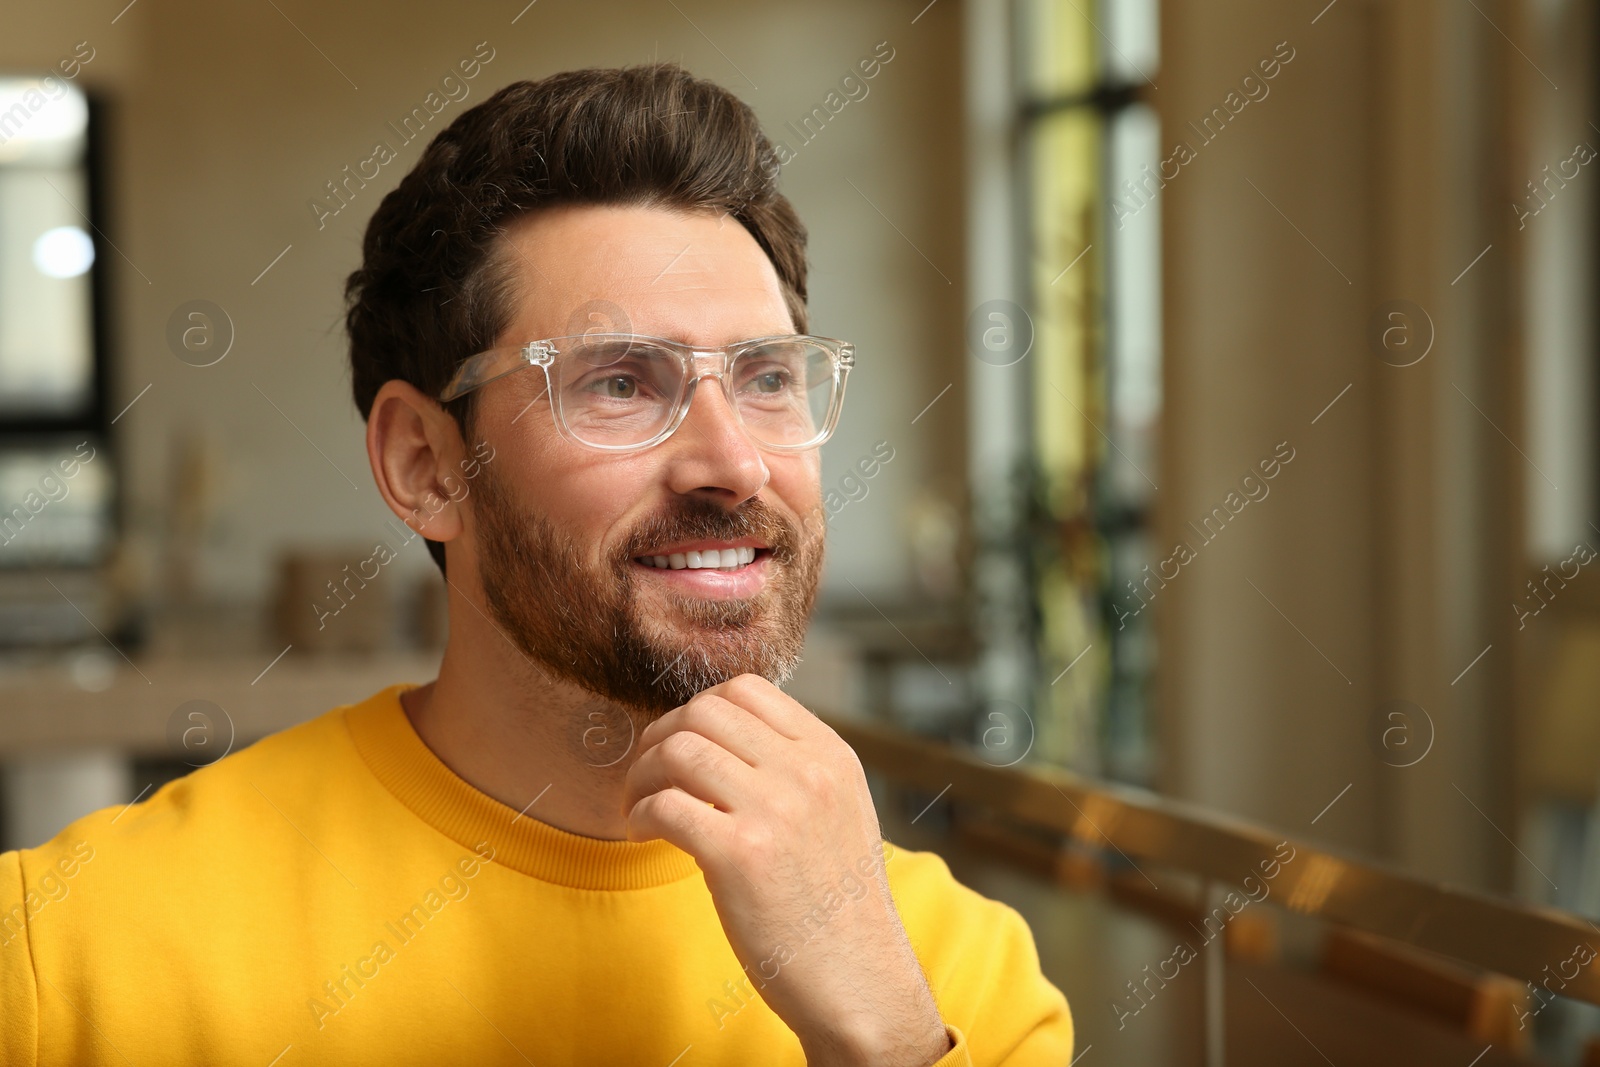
{"points": [[19, 1021], [109, 906], [223, 791], [188, 825]]}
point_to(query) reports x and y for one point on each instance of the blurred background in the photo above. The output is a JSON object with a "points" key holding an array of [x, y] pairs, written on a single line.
{"points": [[1222, 446]]}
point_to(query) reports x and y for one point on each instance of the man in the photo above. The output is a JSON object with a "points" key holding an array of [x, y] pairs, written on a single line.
{"points": [[604, 834]]}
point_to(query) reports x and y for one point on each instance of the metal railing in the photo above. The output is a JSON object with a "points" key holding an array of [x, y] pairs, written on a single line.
{"points": [[1501, 936]]}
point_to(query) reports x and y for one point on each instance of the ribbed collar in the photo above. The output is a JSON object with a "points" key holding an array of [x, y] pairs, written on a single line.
{"points": [[407, 767]]}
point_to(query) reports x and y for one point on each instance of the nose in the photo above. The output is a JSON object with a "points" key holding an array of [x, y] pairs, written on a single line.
{"points": [[710, 452]]}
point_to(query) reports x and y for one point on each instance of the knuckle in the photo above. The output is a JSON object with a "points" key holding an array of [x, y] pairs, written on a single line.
{"points": [[683, 749], [647, 809], [745, 685], [663, 808], [754, 842], [816, 781], [786, 807], [700, 713]]}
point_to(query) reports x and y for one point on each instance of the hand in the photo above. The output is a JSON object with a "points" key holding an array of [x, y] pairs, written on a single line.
{"points": [[793, 857]]}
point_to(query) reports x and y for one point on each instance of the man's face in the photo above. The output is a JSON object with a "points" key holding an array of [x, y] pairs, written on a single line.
{"points": [[565, 535]]}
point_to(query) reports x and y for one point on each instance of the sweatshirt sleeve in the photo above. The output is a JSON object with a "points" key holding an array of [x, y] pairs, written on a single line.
{"points": [[1022, 1019], [19, 1003], [1050, 1049], [983, 967], [959, 1055]]}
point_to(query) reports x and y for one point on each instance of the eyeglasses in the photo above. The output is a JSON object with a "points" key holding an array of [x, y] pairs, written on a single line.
{"points": [[622, 392]]}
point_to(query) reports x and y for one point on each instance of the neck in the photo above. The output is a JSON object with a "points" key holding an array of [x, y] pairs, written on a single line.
{"points": [[539, 745]]}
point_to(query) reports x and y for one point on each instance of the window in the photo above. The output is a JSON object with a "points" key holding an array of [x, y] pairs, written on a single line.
{"points": [[56, 479], [1092, 241]]}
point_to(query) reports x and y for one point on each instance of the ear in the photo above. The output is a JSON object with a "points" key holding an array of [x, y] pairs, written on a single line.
{"points": [[416, 452]]}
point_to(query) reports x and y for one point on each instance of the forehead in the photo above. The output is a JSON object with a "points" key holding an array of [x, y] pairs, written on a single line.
{"points": [[691, 276]]}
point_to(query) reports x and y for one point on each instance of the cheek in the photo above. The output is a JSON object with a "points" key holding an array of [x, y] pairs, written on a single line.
{"points": [[796, 489], [588, 498], [594, 500], [796, 480], [581, 493]]}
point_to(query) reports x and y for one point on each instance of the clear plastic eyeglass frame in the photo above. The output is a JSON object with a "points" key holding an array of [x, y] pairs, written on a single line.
{"points": [[479, 370]]}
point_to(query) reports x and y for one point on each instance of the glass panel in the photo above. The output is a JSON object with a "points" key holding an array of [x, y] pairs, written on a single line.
{"points": [[1059, 47], [46, 325], [1132, 31], [1068, 46], [1129, 476], [1068, 397], [1065, 173], [55, 502], [43, 123], [1134, 295]]}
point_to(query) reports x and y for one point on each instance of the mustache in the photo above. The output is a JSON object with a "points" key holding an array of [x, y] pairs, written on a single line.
{"points": [[695, 519]]}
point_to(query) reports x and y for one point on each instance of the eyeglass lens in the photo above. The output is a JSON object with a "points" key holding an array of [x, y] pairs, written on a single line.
{"points": [[618, 392]]}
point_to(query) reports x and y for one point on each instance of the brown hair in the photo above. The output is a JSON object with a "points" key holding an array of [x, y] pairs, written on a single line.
{"points": [[435, 284]]}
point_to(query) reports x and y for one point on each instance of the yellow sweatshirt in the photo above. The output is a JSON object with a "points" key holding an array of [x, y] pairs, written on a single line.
{"points": [[335, 894]]}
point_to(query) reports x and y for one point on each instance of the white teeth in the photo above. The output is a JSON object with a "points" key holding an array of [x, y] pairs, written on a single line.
{"points": [[710, 559]]}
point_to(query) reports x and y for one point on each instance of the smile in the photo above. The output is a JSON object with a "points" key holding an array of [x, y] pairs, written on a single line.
{"points": [[724, 559], [713, 569]]}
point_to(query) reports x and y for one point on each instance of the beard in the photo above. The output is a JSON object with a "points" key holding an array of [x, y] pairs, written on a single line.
{"points": [[591, 625]]}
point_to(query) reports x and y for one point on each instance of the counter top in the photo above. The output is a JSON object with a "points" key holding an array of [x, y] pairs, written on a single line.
{"points": [[61, 704]]}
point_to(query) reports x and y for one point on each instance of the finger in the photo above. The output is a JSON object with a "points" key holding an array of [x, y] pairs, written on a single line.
{"points": [[678, 818], [695, 764], [768, 703], [745, 735]]}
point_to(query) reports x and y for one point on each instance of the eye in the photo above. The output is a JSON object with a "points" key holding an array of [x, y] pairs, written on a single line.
{"points": [[620, 371], [618, 387], [772, 381], [766, 378]]}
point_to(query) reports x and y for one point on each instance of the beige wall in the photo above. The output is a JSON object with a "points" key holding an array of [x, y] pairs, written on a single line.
{"points": [[226, 121], [1386, 548]]}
